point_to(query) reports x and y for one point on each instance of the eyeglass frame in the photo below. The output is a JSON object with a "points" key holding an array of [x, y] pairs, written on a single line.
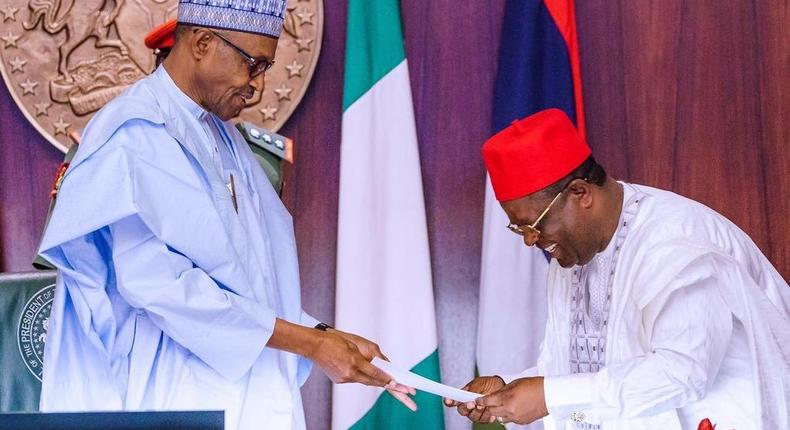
{"points": [[252, 62], [532, 228]]}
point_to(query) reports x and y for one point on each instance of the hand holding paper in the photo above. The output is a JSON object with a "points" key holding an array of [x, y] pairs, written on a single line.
{"points": [[484, 385], [370, 350]]}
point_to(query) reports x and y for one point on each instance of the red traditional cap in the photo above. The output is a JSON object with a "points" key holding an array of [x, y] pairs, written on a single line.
{"points": [[533, 153], [162, 36]]}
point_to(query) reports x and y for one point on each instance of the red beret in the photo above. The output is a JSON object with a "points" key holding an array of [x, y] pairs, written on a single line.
{"points": [[162, 36], [533, 153]]}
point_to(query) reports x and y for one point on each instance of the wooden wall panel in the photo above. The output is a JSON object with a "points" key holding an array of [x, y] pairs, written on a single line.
{"points": [[688, 96], [718, 118], [600, 42], [649, 36], [772, 51], [27, 169]]}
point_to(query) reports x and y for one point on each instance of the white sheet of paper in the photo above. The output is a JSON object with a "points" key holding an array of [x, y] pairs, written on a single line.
{"points": [[424, 384]]}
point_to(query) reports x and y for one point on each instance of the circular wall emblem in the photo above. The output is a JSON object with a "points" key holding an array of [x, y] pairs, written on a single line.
{"points": [[62, 60], [32, 329]]}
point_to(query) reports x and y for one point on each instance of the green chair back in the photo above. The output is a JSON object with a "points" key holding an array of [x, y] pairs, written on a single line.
{"points": [[25, 303]]}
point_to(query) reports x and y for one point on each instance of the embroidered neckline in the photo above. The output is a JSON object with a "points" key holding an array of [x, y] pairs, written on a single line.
{"points": [[588, 343]]}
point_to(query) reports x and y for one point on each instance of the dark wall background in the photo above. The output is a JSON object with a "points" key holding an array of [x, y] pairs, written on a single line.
{"points": [[691, 96]]}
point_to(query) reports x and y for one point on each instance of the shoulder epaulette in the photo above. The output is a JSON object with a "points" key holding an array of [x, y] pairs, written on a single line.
{"points": [[274, 143]]}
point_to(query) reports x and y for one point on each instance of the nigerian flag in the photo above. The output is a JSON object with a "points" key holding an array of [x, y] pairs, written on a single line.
{"points": [[384, 290]]}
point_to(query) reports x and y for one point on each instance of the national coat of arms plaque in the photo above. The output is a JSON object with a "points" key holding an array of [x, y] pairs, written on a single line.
{"points": [[62, 60]]}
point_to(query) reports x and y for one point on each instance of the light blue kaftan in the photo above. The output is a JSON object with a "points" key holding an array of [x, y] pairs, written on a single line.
{"points": [[166, 296]]}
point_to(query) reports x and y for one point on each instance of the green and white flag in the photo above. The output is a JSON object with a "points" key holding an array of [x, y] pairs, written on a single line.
{"points": [[384, 290]]}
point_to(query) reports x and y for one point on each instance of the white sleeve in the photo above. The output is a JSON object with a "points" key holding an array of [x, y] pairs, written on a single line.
{"points": [[225, 330], [688, 342], [532, 371]]}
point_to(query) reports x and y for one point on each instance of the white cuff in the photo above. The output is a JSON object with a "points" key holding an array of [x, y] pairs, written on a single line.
{"points": [[569, 396], [532, 371]]}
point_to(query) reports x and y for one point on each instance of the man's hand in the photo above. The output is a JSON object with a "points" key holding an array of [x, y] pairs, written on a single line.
{"points": [[368, 349], [521, 402], [345, 357], [482, 385]]}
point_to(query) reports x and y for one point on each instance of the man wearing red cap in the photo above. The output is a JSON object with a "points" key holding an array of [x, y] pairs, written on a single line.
{"points": [[661, 311]]}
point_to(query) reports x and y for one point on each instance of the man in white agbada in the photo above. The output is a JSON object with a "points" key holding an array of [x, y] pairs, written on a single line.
{"points": [[178, 284], [662, 313]]}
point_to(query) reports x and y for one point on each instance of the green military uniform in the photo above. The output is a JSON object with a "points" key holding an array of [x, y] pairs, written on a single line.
{"points": [[270, 150]]}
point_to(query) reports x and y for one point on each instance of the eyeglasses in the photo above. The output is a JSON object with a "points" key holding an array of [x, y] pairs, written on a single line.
{"points": [[530, 232], [257, 65]]}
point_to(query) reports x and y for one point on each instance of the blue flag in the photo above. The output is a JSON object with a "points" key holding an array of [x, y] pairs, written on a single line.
{"points": [[538, 62]]}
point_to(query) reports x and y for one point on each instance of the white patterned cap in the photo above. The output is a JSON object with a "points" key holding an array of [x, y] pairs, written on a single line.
{"points": [[251, 16]]}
